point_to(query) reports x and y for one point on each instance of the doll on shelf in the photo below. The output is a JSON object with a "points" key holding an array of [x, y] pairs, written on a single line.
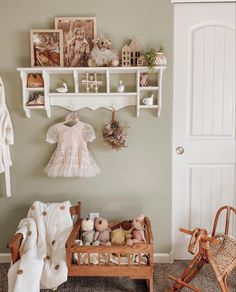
{"points": [[71, 157]]}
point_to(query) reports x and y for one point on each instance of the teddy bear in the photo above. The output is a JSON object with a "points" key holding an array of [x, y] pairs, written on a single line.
{"points": [[122, 235], [117, 237], [102, 232], [127, 228], [87, 231], [102, 54], [138, 235]]}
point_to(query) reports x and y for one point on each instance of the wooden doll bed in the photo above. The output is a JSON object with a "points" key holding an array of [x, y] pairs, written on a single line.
{"points": [[132, 270]]}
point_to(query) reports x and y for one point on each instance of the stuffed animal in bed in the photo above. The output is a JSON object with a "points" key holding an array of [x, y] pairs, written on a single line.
{"points": [[102, 232], [138, 235], [87, 231], [127, 228], [122, 235], [117, 237]]}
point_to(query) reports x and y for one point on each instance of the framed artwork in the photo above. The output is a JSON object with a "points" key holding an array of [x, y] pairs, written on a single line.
{"points": [[78, 36], [46, 47]]}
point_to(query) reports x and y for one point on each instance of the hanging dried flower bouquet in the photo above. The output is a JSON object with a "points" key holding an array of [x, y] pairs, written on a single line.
{"points": [[115, 134]]}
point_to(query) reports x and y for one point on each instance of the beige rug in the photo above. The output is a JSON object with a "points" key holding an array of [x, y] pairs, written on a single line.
{"points": [[205, 281]]}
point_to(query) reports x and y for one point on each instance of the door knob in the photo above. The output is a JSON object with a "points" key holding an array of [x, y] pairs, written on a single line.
{"points": [[179, 150]]}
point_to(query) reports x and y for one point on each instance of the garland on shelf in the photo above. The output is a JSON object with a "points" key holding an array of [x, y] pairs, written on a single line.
{"points": [[114, 133]]}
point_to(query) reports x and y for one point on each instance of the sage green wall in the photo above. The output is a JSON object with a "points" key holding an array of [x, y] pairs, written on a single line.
{"points": [[133, 181]]}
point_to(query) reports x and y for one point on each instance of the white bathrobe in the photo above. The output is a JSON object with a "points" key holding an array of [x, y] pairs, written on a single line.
{"points": [[43, 255], [6, 139]]}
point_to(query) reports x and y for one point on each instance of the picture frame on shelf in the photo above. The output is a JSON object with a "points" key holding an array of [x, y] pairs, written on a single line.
{"points": [[78, 36], [46, 47]]}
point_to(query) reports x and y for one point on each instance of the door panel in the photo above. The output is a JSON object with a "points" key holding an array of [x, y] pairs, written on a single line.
{"points": [[212, 87], [203, 116], [210, 188]]}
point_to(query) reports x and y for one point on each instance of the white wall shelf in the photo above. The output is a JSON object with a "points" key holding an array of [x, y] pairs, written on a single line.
{"points": [[78, 99]]}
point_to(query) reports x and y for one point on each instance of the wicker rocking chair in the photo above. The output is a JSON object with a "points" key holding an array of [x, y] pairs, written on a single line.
{"points": [[219, 250]]}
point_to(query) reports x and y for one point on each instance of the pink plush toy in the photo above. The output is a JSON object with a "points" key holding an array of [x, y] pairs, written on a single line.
{"points": [[143, 79], [102, 234], [138, 235]]}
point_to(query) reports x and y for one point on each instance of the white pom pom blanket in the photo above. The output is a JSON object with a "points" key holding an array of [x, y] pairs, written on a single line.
{"points": [[43, 256]]}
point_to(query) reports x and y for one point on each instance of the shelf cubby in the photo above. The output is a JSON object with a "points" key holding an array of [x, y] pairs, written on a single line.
{"points": [[128, 80], [56, 81]]}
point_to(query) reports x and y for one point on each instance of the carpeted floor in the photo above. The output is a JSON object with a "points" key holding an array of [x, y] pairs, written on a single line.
{"points": [[205, 281]]}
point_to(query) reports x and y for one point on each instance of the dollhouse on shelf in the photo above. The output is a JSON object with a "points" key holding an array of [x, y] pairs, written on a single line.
{"points": [[106, 96], [131, 53], [126, 54], [142, 61]]}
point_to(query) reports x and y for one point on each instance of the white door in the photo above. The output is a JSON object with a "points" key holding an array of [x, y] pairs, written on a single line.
{"points": [[203, 116]]}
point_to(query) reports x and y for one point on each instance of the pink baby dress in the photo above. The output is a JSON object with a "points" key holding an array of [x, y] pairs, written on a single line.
{"points": [[71, 157]]}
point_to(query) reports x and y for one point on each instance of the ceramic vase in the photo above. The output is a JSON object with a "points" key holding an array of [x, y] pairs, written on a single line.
{"points": [[160, 59]]}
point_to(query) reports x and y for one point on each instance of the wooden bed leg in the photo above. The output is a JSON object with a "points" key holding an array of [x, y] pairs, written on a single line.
{"points": [[150, 285], [147, 281]]}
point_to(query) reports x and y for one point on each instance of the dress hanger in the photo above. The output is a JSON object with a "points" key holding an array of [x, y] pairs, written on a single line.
{"points": [[72, 119]]}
